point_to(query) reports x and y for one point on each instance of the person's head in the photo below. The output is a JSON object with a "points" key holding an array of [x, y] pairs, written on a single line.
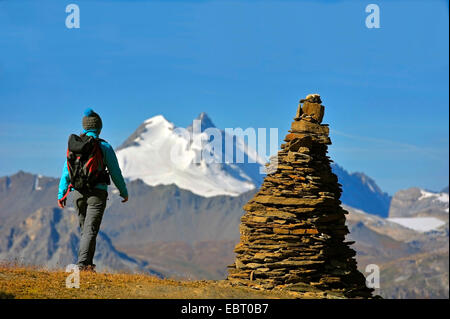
{"points": [[92, 121]]}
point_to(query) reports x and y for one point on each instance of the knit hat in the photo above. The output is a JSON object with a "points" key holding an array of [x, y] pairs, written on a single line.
{"points": [[92, 121]]}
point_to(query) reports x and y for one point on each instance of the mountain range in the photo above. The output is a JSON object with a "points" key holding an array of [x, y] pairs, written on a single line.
{"points": [[147, 155], [172, 232], [170, 228]]}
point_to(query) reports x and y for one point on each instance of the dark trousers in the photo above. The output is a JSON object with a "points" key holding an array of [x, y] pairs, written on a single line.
{"points": [[90, 207]]}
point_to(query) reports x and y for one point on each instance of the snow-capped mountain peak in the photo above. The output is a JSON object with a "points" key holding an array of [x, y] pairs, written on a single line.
{"points": [[157, 120], [158, 152], [205, 122]]}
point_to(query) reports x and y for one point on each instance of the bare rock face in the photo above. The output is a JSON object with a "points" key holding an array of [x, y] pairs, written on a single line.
{"points": [[293, 231], [416, 202]]}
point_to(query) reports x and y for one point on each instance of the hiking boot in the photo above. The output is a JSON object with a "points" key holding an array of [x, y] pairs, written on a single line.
{"points": [[87, 268]]}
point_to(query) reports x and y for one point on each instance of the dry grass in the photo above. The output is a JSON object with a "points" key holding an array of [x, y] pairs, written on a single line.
{"points": [[30, 282]]}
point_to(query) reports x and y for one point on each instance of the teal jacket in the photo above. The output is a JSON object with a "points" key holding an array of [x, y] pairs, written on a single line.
{"points": [[110, 159]]}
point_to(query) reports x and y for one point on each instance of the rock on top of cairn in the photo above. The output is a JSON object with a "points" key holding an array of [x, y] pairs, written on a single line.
{"points": [[313, 98], [312, 110]]}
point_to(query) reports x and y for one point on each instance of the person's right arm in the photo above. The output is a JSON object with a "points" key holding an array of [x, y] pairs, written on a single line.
{"points": [[63, 184], [114, 170]]}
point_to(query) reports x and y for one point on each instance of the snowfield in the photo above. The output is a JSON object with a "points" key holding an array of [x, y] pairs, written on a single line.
{"points": [[420, 224]]}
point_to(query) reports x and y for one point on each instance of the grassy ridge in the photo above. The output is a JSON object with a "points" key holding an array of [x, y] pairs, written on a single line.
{"points": [[28, 282]]}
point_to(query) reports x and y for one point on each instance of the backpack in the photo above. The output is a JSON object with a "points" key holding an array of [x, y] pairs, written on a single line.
{"points": [[85, 163]]}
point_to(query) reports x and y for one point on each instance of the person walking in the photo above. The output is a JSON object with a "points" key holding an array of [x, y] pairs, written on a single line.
{"points": [[89, 165]]}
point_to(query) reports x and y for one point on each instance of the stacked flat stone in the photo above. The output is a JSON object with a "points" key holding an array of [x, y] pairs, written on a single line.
{"points": [[293, 231]]}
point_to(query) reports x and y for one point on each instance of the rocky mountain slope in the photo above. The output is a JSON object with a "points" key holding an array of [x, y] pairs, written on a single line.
{"points": [[413, 264], [416, 202], [168, 213], [419, 209], [49, 237], [22, 194], [362, 192]]}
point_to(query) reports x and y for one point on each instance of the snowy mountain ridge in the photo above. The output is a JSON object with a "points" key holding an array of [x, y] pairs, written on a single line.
{"points": [[158, 153]]}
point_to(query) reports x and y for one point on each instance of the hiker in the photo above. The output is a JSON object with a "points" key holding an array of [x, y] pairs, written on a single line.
{"points": [[89, 164]]}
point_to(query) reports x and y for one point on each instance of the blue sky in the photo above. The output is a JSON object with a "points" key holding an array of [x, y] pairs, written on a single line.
{"points": [[245, 63]]}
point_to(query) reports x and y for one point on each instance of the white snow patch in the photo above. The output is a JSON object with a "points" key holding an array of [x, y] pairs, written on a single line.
{"points": [[420, 224], [442, 197], [425, 194]]}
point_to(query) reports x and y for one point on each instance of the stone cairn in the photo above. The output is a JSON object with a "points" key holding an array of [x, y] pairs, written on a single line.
{"points": [[293, 231]]}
